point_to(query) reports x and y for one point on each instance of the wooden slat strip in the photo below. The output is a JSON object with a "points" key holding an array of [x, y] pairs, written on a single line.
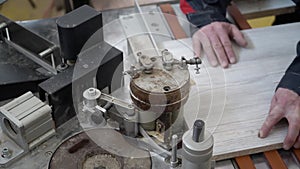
{"points": [[172, 21], [238, 17], [104, 5], [275, 160], [245, 162], [297, 153]]}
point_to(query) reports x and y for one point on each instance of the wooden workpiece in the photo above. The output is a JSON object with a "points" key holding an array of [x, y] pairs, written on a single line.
{"points": [[234, 102]]}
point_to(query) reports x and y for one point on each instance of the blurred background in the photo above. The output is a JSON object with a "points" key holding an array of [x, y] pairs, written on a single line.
{"points": [[19, 10]]}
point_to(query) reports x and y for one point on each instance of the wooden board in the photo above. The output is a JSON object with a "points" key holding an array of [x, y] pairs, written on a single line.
{"points": [[234, 102], [238, 17], [255, 9], [103, 5], [172, 21]]}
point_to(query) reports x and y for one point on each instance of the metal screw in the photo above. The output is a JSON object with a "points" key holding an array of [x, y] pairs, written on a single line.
{"points": [[174, 159], [6, 153], [85, 66], [48, 153]]}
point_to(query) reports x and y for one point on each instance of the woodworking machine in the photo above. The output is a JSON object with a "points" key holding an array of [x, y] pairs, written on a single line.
{"points": [[69, 99], [79, 108]]}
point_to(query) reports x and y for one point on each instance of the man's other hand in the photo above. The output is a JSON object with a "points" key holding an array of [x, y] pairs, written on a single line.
{"points": [[285, 104], [215, 40]]}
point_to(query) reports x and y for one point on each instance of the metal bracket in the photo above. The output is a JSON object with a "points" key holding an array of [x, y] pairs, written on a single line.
{"points": [[36, 48]]}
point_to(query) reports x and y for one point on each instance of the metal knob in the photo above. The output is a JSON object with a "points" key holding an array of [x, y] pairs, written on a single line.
{"points": [[198, 131]]}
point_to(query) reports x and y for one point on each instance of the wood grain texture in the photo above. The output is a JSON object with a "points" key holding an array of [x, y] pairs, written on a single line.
{"points": [[172, 21], [234, 102], [274, 159], [245, 162]]}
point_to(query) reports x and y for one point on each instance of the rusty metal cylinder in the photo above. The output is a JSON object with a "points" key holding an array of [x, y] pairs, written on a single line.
{"points": [[159, 93]]}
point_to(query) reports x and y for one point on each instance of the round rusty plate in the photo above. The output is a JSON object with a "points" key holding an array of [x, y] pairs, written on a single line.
{"points": [[99, 149]]}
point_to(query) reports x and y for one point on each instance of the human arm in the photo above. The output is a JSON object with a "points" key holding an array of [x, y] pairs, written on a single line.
{"points": [[286, 104], [213, 31]]}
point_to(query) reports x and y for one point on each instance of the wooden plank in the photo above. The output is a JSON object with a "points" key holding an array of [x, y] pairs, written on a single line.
{"points": [[245, 162], [261, 8], [274, 159], [104, 5], [237, 16], [297, 154], [234, 102], [172, 21]]}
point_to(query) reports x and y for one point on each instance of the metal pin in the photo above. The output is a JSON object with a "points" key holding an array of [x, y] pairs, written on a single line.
{"points": [[7, 34], [53, 61], [46, 51], [174, 159]]}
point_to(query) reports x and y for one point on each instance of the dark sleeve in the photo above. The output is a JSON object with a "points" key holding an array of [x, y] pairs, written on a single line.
{"points": [[291, 79], [297, 2], [207, 11]]}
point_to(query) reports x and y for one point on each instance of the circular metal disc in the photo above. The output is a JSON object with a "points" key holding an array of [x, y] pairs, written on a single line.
{"points": [[84, 151]]}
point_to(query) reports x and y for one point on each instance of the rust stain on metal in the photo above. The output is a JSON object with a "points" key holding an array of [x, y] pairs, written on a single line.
{"points": [[160, 90], [81, 152], [78, 146]]}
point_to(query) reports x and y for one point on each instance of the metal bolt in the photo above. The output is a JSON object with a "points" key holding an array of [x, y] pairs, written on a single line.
{"points": [[92, 92], [174, 159], [85, 66], [6, 153], [62, 67], [48, 153]]}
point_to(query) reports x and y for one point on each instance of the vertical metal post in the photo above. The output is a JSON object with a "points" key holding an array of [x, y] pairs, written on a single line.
{"points": [[174, 159]]}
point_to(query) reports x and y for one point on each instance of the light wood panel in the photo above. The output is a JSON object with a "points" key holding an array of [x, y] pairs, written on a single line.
{"points": [[234, 102], [255, 9]]}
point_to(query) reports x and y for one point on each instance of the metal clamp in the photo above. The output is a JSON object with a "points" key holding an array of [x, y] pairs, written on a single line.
{"points": [[26, 122]]}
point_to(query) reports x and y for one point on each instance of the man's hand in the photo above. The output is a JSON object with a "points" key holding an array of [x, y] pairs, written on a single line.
{"points": [[285, 104], [215, 39]]}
